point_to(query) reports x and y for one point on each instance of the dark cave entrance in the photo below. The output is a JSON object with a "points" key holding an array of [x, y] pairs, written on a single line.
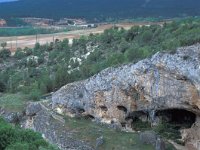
{"points": [[168, 118], [122, 108], [138, 120], [178, 117], [89, 117], [104, 108], [167, 123], [80, 110]]}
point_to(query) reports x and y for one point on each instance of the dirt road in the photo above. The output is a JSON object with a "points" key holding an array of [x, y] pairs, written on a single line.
{"points": [[29, 41]]}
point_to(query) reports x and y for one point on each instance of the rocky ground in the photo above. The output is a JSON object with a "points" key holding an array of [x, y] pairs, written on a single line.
{"points": [[78, 133]]}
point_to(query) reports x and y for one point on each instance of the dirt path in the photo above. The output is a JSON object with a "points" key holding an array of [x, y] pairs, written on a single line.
{"points": [[29, 41]]}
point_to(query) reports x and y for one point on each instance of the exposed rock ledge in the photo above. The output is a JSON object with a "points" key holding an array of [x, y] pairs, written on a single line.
{"points": [[163, 82]]}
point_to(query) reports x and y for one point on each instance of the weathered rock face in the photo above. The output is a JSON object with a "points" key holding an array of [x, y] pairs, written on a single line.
{"points": [[40, 118], [165, 81], [162, 82], [192, 136]]}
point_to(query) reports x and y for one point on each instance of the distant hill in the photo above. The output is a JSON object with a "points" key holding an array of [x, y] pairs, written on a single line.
{"points": [[98, 10]]}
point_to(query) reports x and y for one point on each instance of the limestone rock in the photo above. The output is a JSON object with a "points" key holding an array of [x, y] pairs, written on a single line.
{"points": [[11, 117], [192, 136], [164, 81], [42, 119], [148, 137], [33, 108], [160, 144], [99, 141], [161, 82]]}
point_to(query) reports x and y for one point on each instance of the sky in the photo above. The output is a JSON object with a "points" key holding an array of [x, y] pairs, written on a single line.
{"points": [[2, 1]]}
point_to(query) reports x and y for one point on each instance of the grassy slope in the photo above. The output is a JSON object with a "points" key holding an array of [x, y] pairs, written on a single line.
{"points": [[13, 102], [114, 140]]}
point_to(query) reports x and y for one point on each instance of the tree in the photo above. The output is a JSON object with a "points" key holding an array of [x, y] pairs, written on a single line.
{"points": [[65, 44], [132, 33], [146, 36], [5, 53], [115, 59], [2, 87], [28, 51], [3, 45], [37, 46], [19, 54], [134, 53]]}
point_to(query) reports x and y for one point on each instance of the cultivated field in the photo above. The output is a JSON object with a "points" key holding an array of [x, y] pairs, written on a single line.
{"points": [[29, 41]]}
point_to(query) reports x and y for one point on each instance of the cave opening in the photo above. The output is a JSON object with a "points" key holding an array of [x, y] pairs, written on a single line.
{"points": [[80, 110], [138, 120], [168, 118], [89, 117], [179, 117], [122, 108], [123, 124], [167, 123], [104, 108]]}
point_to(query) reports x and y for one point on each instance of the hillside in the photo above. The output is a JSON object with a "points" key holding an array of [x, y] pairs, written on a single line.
{"points": [[33, 74], [45, 68], [100, 10]]}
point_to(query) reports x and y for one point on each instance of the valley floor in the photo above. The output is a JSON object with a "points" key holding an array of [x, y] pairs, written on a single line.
{"points": [[29, 41]]}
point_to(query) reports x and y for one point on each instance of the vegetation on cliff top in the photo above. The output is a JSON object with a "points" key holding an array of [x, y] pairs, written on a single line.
{"points": [[46, 68]]}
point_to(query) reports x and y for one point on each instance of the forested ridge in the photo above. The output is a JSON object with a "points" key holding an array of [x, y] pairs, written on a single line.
{"points": [[46, 68], [100, 10]]}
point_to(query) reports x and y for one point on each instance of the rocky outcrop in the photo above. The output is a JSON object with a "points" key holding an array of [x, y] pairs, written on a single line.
{"points": [[40, 118], [192, 136], [117, 95], [11, 117], [150, 137]]}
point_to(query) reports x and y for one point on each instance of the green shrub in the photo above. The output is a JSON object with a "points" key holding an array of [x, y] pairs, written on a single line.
{"points": [[35, 94], [139, 125], [2, 86], [12, 138], [5, 53], [18, 146], [19, 54], [8, 135], [168, 131]]}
